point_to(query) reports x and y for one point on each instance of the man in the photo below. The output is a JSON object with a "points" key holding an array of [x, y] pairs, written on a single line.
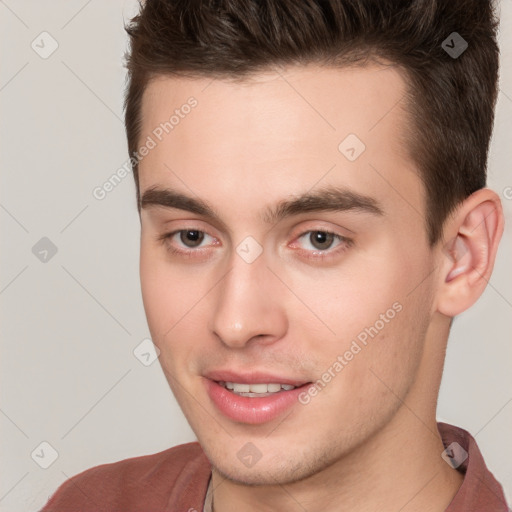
{"points": [[311, 187]]}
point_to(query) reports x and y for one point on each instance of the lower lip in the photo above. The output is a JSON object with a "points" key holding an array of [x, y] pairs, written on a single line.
{"points": [[252, 410]]}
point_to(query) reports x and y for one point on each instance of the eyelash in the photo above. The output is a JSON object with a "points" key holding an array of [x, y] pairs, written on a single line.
{"points": [[345, 243]]}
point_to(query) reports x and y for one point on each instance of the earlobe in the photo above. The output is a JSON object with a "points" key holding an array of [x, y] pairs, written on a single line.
{"points": [[468, 259]]}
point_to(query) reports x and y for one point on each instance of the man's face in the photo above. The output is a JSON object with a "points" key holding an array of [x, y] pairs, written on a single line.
{"points": [[251, 298]]}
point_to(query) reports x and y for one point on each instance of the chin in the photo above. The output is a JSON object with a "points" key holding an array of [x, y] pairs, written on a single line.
{"points": [[264, 474], [273, 468]]}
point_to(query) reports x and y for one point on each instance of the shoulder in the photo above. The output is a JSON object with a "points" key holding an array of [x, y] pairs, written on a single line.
{"points": [[479, 490], [134, 484]]}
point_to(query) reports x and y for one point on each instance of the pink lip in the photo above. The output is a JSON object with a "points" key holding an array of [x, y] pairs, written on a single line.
{"points": [[253, 377], [252, 410]]}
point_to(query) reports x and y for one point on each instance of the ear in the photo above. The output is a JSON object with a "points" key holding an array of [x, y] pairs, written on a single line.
{"points": [[471, 238]]}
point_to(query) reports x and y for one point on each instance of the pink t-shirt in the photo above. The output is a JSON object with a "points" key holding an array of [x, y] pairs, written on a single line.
{"points": [[176, 480]]}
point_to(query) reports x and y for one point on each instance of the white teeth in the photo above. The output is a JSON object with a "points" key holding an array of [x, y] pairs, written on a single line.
{"points": [[256, 388]]}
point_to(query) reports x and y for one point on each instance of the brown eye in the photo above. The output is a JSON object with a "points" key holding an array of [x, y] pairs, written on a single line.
{"points": [[191, 237], [320, 244], [321, 240]]}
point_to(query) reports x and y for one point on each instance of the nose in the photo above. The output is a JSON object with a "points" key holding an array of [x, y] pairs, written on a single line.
{"points": [[248, 307]]}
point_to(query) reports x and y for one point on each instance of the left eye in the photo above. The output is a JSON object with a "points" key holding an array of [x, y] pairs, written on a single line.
{"points": [[321, 240]]}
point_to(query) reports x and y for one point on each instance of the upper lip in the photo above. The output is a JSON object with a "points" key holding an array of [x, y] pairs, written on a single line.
{"points": [[252, 377]]}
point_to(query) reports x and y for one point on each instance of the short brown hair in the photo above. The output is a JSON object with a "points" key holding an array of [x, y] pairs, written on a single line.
{"points": [[451, 99]]}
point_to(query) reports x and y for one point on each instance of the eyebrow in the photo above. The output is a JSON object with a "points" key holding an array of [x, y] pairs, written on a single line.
{"points": [[327, 199]]}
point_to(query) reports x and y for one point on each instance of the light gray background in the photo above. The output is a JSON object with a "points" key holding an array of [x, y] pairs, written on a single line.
{"points": [[70, 325]]}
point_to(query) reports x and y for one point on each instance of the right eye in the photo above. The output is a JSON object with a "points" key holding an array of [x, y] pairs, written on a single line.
{"points": [[190, 238]]}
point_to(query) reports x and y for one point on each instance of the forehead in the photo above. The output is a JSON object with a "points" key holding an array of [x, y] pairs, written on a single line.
{"points": [[331, 100], [276, 130]]}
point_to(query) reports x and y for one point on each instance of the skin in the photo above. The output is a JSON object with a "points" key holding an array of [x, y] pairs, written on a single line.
{"points": [[368, 440]]}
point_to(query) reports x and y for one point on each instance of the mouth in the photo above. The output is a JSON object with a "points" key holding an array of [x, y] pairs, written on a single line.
{"points": [[262, 399]]}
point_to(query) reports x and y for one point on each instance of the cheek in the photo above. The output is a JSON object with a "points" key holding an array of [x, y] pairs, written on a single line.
{"points": [[350, 307], [392, 355], [155, 292], [172, 296], [164, 293], [364, 394], [377, 327]]}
